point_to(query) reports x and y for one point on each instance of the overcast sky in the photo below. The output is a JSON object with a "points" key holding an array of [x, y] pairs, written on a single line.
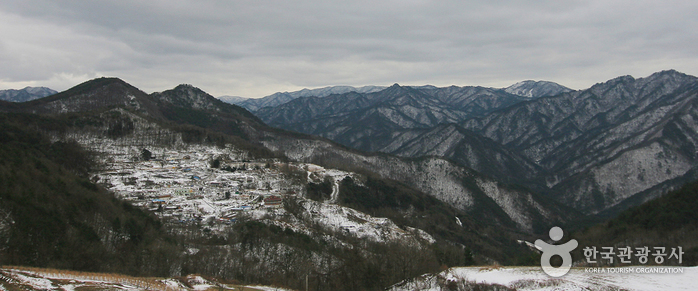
{"points": [[255, 48]]}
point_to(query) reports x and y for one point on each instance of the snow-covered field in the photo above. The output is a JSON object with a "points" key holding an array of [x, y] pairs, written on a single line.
{"points": [[48, 279], [533, 278]]}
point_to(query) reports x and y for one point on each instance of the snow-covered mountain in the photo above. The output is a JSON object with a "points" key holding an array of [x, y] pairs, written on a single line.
{"points": [[547, 137], [232, 99], [358, 120], [575, 143], [530, 89], [463, 147], [535, 89], [26, 94], [602, 145], [462, 188], [389, 119], [276, 99]]}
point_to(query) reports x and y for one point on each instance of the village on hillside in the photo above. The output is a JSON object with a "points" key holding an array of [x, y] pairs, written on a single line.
{"points": [[202, 184], [213, 187]]}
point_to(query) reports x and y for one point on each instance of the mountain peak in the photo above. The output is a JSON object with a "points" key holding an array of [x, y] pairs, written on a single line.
{"points": [[672, 74], [186, 95], [669, 72], [395, 89], [91, 95], [399, 87], [535, 89], [98, 87], [185, 87], [670, 78], [626, 78], [101, 81], [189, 90]]}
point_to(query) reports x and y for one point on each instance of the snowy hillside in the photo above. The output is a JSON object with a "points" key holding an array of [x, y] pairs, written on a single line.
{"points": [[535, 89], [19, 278], [533, 278], [179, 181], [454, 185], [231, 99]]}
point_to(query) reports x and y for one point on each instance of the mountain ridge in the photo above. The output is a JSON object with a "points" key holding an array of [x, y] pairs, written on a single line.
{"points": [[90, 95], [278, 98], [26, 94], [528, 89], [597, 128], [570, 136], [370, 122], [187, 105], [535, 89]]}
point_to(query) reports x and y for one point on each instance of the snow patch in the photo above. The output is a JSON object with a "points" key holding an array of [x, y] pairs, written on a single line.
{"points": [[533, 278]]}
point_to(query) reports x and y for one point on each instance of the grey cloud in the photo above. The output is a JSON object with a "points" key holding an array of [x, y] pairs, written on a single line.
{"points": [[251, 48]]}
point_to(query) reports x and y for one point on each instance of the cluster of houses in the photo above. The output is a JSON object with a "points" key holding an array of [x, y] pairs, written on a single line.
{"points": [[188, 187]]}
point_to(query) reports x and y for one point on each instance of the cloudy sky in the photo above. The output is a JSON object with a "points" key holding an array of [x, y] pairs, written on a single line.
{"points": [[255, 48]]}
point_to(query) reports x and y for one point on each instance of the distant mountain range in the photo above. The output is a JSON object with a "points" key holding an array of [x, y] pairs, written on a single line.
{"points": [[602, 149], [276, 99], [186, 105], [26, 94], [530, 89], [232, 99], [389, 120], [592, 148]]}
